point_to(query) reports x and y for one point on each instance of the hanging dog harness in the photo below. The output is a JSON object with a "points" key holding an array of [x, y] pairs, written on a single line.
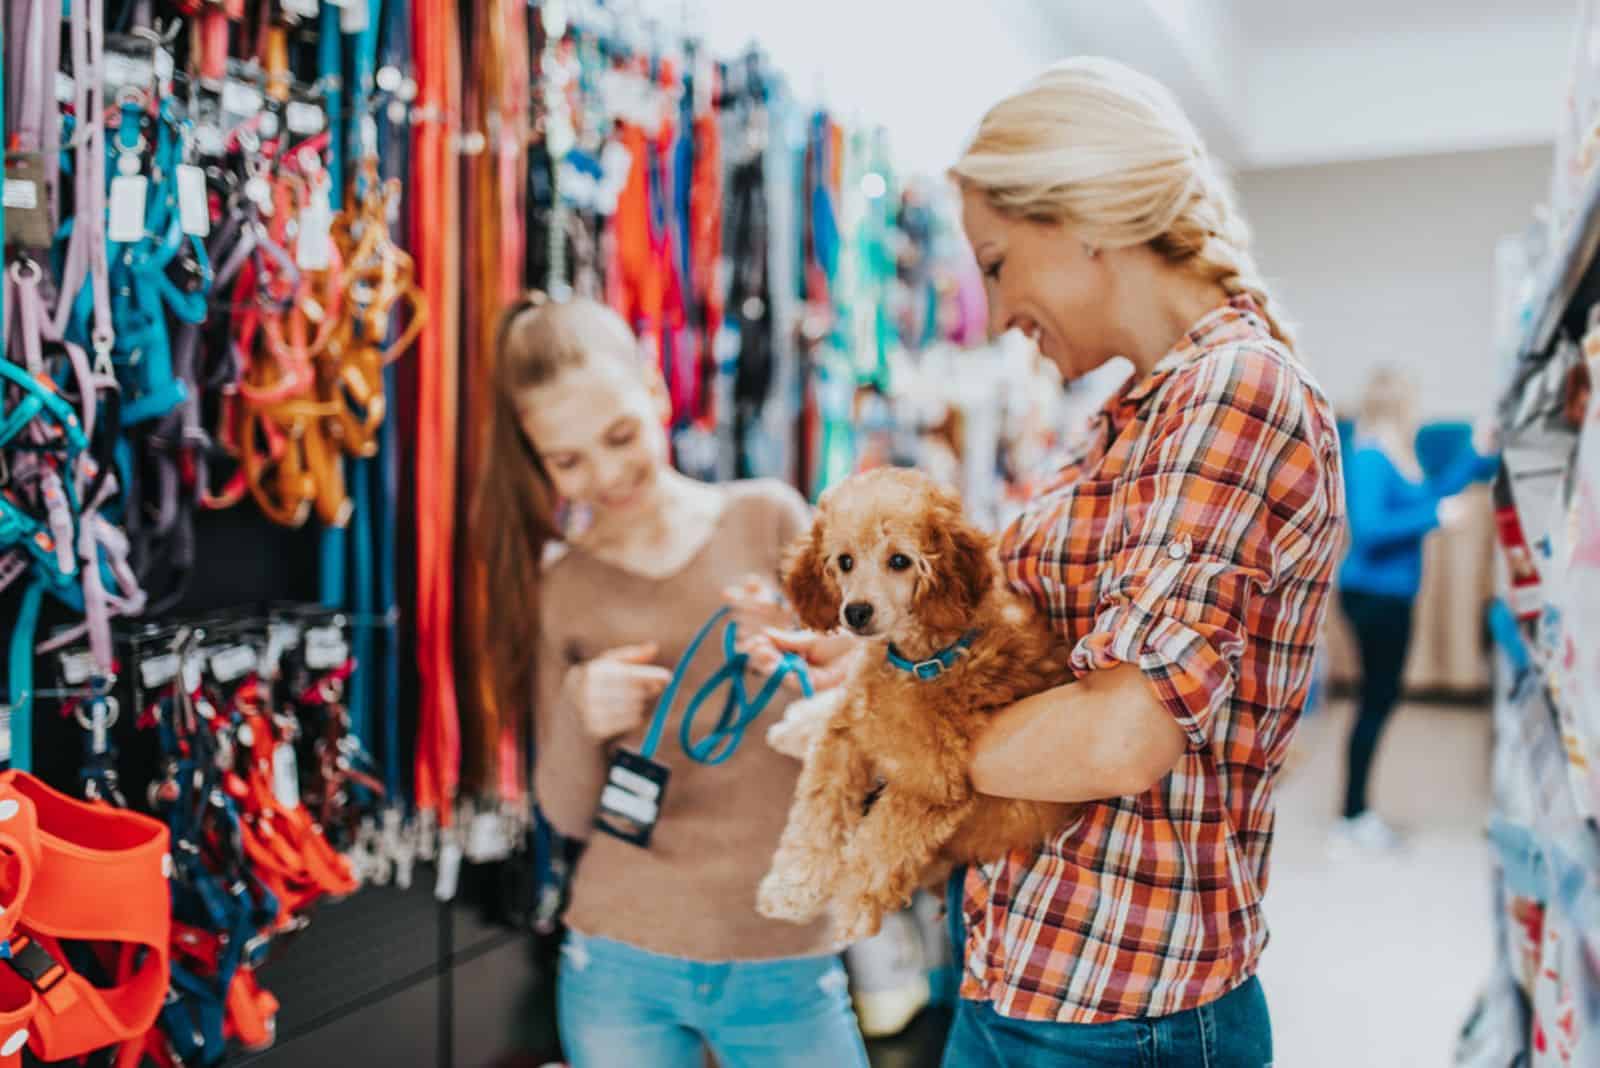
{"points": [[85, 887]]}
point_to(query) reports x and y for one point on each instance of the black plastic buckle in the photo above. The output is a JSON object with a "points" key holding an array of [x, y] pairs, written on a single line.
{"points": [[33, 963]]}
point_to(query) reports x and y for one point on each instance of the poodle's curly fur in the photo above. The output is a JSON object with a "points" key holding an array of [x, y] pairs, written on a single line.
{"points": [[891, 556]]}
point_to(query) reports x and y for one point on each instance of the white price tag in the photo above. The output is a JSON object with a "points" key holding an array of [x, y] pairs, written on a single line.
{"points": [[286, 776], [267, 125], [77, 667], [306, 9], [21, 194], [241, 99], [191, 675], [354, 16], [128, 72], [449, 877], [163, 68], [194, 208], [66, 88], [313, 250], [128, 192], [208, 141], [158, 670], [326, 648], [303, 118], [232, 663]]}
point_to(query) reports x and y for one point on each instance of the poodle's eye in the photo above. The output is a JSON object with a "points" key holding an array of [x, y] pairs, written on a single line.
{"points": [[846, 562], [899, 562]]}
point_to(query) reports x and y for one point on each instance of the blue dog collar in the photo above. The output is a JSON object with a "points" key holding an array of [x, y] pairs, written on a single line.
{"points": [[936, 665]]}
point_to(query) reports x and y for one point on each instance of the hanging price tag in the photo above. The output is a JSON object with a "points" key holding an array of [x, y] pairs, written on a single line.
{"points": [[191, 675], [163, 70], [304, 119], [158, 670], [286, 776], [325, 648], [122, 71], [306, 9], [66, 88], [194, 209], [77, 667], [354, 16], [240, 99], [232, 663], [27, 214], [313, 249], [128, 192]]}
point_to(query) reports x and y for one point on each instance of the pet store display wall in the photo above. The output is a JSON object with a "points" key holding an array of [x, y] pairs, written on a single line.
{"points": [[254, 253]]}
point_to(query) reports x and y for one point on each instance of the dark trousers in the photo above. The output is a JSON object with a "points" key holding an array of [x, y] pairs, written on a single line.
{"points": [[1383, 635]]}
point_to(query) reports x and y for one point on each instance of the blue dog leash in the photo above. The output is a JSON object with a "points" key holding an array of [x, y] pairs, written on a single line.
{"points": [[739, 709]]}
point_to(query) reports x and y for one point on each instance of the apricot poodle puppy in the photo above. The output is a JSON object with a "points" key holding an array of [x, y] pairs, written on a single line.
{"points": [[884, 795]]}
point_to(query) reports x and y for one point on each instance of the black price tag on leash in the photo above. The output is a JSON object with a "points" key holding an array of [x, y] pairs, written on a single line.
{"points": [[630, 804]]}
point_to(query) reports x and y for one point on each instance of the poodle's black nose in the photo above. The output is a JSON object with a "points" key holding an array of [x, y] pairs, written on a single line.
{"points": [[858, 614]]}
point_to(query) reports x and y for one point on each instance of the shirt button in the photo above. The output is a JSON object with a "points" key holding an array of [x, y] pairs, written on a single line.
{"points": [[704, 990], [1178, 550]]}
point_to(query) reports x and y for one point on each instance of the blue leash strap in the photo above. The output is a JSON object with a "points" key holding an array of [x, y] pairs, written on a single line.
{"points": [[739, 710], [19, 711]]}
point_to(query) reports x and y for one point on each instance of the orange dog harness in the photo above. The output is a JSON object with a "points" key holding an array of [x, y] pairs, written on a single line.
{"points": [[71, 873]]}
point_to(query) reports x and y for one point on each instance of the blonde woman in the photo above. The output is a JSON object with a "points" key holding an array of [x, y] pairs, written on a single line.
{"points": [[1392, 509], [1184, 553]]}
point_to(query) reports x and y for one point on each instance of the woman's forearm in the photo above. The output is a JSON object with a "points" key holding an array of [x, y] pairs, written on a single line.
{"points": [[1104, 736]]}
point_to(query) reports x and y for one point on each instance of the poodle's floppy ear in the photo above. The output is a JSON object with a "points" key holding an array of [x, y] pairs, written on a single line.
{"points": [[807, 584], [960, 570]]}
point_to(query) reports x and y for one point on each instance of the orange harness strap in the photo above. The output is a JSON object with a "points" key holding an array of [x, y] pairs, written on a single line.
{"points": [[81, 872]]}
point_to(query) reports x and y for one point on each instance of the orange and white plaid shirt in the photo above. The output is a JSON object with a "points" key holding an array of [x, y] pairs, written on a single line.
{"points": [[1192, 534]]}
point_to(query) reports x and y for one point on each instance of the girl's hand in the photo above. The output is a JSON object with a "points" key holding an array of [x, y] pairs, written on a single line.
{"points": [[757, 605], [828, 657], [616, 691]]}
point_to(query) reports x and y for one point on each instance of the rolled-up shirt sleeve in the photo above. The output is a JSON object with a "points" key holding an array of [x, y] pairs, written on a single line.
{"points": [[1227, 495]]}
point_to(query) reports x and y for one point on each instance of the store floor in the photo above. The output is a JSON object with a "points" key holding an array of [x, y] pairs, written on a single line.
{"points": [[1374, 962]]}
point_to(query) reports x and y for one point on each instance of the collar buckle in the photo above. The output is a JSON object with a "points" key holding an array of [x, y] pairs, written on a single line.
{"points": [[928, 670]]}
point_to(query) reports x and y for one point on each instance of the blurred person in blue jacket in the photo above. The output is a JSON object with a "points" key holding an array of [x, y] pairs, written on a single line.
{"points": [[1392, 507]]}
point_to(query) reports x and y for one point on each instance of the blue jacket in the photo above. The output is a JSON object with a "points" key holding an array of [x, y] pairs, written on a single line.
{"points": [[1390, 515]]}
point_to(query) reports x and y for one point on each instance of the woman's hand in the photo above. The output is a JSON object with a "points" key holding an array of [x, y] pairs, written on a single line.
{"points": [[616, 691], [1452, 512], [757, 605], [828, 657]]}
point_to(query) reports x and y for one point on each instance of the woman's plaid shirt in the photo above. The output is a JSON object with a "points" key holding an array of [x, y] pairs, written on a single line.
{"points": [[1193, 534]]}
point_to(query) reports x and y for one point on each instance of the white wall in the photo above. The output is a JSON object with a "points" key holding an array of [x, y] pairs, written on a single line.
{"points": [[1393, 262]]}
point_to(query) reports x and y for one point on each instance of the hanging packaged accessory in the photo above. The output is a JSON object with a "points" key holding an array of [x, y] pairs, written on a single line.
{"points": [[636, 784]]}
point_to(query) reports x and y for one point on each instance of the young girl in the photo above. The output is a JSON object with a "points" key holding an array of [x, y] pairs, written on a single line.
{"points": [[665, 953]]}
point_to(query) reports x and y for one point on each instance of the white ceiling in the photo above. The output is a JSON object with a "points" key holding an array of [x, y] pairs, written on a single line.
{"points": [[1271, 83]]}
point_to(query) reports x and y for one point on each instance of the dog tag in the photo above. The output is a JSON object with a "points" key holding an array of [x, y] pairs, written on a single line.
{"points": [[194, 208], [630, 804], [128, 192]]}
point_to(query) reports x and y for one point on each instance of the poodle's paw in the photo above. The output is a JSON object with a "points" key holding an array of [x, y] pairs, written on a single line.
{"points": [[803, 723], [783, 897]]}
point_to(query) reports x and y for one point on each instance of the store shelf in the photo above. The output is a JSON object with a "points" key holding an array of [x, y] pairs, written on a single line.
{"points": [[1565, 272]]}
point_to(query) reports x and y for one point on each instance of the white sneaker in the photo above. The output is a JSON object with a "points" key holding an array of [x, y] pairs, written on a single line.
{"points": [[1366, 833]]}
